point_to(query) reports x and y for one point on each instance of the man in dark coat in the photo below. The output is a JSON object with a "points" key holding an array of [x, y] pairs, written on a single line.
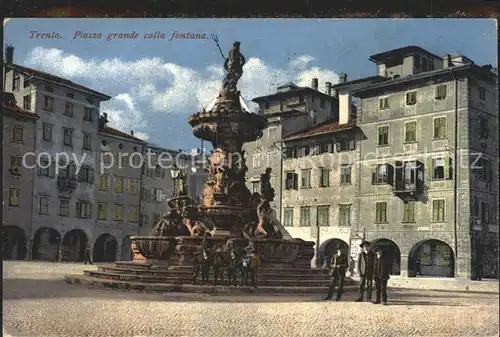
{"points": [[338, 267], [87, 256], [381, 276], [366, 260]]}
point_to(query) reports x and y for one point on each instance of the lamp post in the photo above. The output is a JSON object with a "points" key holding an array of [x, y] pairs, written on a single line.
{"points": [[175, 172]]}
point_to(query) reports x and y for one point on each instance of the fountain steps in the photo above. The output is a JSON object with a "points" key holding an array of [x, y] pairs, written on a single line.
{"points": [[94, 282]]}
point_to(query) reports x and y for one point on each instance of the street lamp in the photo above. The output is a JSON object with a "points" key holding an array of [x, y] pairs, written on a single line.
{"points": [[174, 172]]}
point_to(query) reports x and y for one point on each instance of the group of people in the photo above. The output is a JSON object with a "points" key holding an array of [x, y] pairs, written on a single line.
{"points": [[371, 266]]}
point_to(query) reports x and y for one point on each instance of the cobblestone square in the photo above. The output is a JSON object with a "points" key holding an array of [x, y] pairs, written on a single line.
{"points": [[37, 302]]}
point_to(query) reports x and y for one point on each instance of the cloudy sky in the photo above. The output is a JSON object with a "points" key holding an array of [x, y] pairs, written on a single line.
{"points": [[156, 84]]}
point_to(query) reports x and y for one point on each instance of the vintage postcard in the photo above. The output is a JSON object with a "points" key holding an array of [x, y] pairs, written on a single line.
{"points": [[250, 177]]}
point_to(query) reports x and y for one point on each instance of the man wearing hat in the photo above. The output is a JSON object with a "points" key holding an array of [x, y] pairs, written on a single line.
{"points": [[366, 260], [381, 276], [338, 267]]}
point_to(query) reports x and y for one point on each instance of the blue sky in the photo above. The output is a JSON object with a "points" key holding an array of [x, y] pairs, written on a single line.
{"points": [[156, 84]]}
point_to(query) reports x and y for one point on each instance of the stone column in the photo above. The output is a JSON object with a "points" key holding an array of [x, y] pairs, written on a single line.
{"points": [[404, 266]]}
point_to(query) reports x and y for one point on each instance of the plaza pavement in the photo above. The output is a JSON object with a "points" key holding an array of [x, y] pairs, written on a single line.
{"points": [[37, 302]]}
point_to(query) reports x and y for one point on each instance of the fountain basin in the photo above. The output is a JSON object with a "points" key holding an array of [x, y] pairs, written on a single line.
{"points": [[158, 248], [278, 253]]}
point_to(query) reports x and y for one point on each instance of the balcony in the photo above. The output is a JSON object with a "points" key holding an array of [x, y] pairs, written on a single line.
{"points": [[409, 180]]}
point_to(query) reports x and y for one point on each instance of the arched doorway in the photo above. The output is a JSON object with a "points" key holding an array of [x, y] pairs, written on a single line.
{"points": [[105, 248], [13, 243], [391, 252], [73, 246], [327, 249], [431, 258], [126, 253], [46, 244]]}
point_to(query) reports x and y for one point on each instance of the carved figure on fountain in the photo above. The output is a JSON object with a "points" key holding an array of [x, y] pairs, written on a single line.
{"points": [[170, 225]]}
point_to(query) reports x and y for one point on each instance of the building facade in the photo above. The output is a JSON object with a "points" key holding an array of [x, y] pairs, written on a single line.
{"points": [[19, 137], [429, 164]]}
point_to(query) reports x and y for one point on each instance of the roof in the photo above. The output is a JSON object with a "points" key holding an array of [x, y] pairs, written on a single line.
{"points": [[9, 104], [399, 53], [360, 80], [115, 132], [54, 78], [292, 92], [288, 84], [366, 91], [323, 128]]}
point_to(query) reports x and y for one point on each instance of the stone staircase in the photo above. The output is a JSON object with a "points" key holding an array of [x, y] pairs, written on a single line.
{"points": [[157, 278]]}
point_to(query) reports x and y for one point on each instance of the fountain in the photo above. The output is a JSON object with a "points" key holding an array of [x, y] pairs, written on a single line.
{"points": [[232, 215]]}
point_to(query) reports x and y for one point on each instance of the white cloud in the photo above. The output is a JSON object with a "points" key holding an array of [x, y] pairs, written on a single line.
{"points": [[148, 86]]}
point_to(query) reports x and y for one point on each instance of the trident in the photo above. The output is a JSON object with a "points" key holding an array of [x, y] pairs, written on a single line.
{"points": [[215, 38]]}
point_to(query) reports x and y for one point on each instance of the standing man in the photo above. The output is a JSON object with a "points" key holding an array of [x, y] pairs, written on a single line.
{"points": [[381, 275], [87, 255], [366, 260], [338, 267]]}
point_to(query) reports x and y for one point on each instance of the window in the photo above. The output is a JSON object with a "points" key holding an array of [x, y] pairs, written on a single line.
{"points": [[119, 184], [14, 197], [381, 212], [482, 93], [102, 211], [16, 83], [345, 174], [63, 207], [411, 98], [103, 182], [440, 91], [143, 220], [410, 132], [417, 61], [15, 165], [475, 205], [291, 180], [266, 105], [323, 215], [383, 135], [288, 217], [483, 128], [326, 147], [303, 151], [43, 205], [305, 216], [49, 88], [440, 128], [159, 172], [68, 137], [27, 102], [409, 211], [132, 214], [70, 95], [384, 174], [68, 109], [117, 212], [324, 177], [86, 174], [83, 209], [47, 132], [26, 83], [424, 65], [132, 186], [44, 167], [442, 168], [305, 178], [344, 215], [255, 187], [485, 212], [88, 115], [87, 141], [17, 134], [345, 144], [257, 160], [383, 103], [486, 172], [48, 103], [438, 210]]}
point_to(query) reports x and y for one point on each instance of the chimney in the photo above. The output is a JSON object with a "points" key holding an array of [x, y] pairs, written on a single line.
{"points": [[9, 54], [345, 103], [343, 78], [449, 62], [314, 83], [328, 86], [131, 132], [103, 121]]}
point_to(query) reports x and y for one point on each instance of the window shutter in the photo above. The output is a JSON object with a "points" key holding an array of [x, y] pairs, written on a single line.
{"points": [[91, 176], [78, 206], [390, 174], [90, 211], [80, 174], [430, 168], [352, 144], [296, 181], [337, 147], [374, 177], [39, 170], [399, 175]]}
